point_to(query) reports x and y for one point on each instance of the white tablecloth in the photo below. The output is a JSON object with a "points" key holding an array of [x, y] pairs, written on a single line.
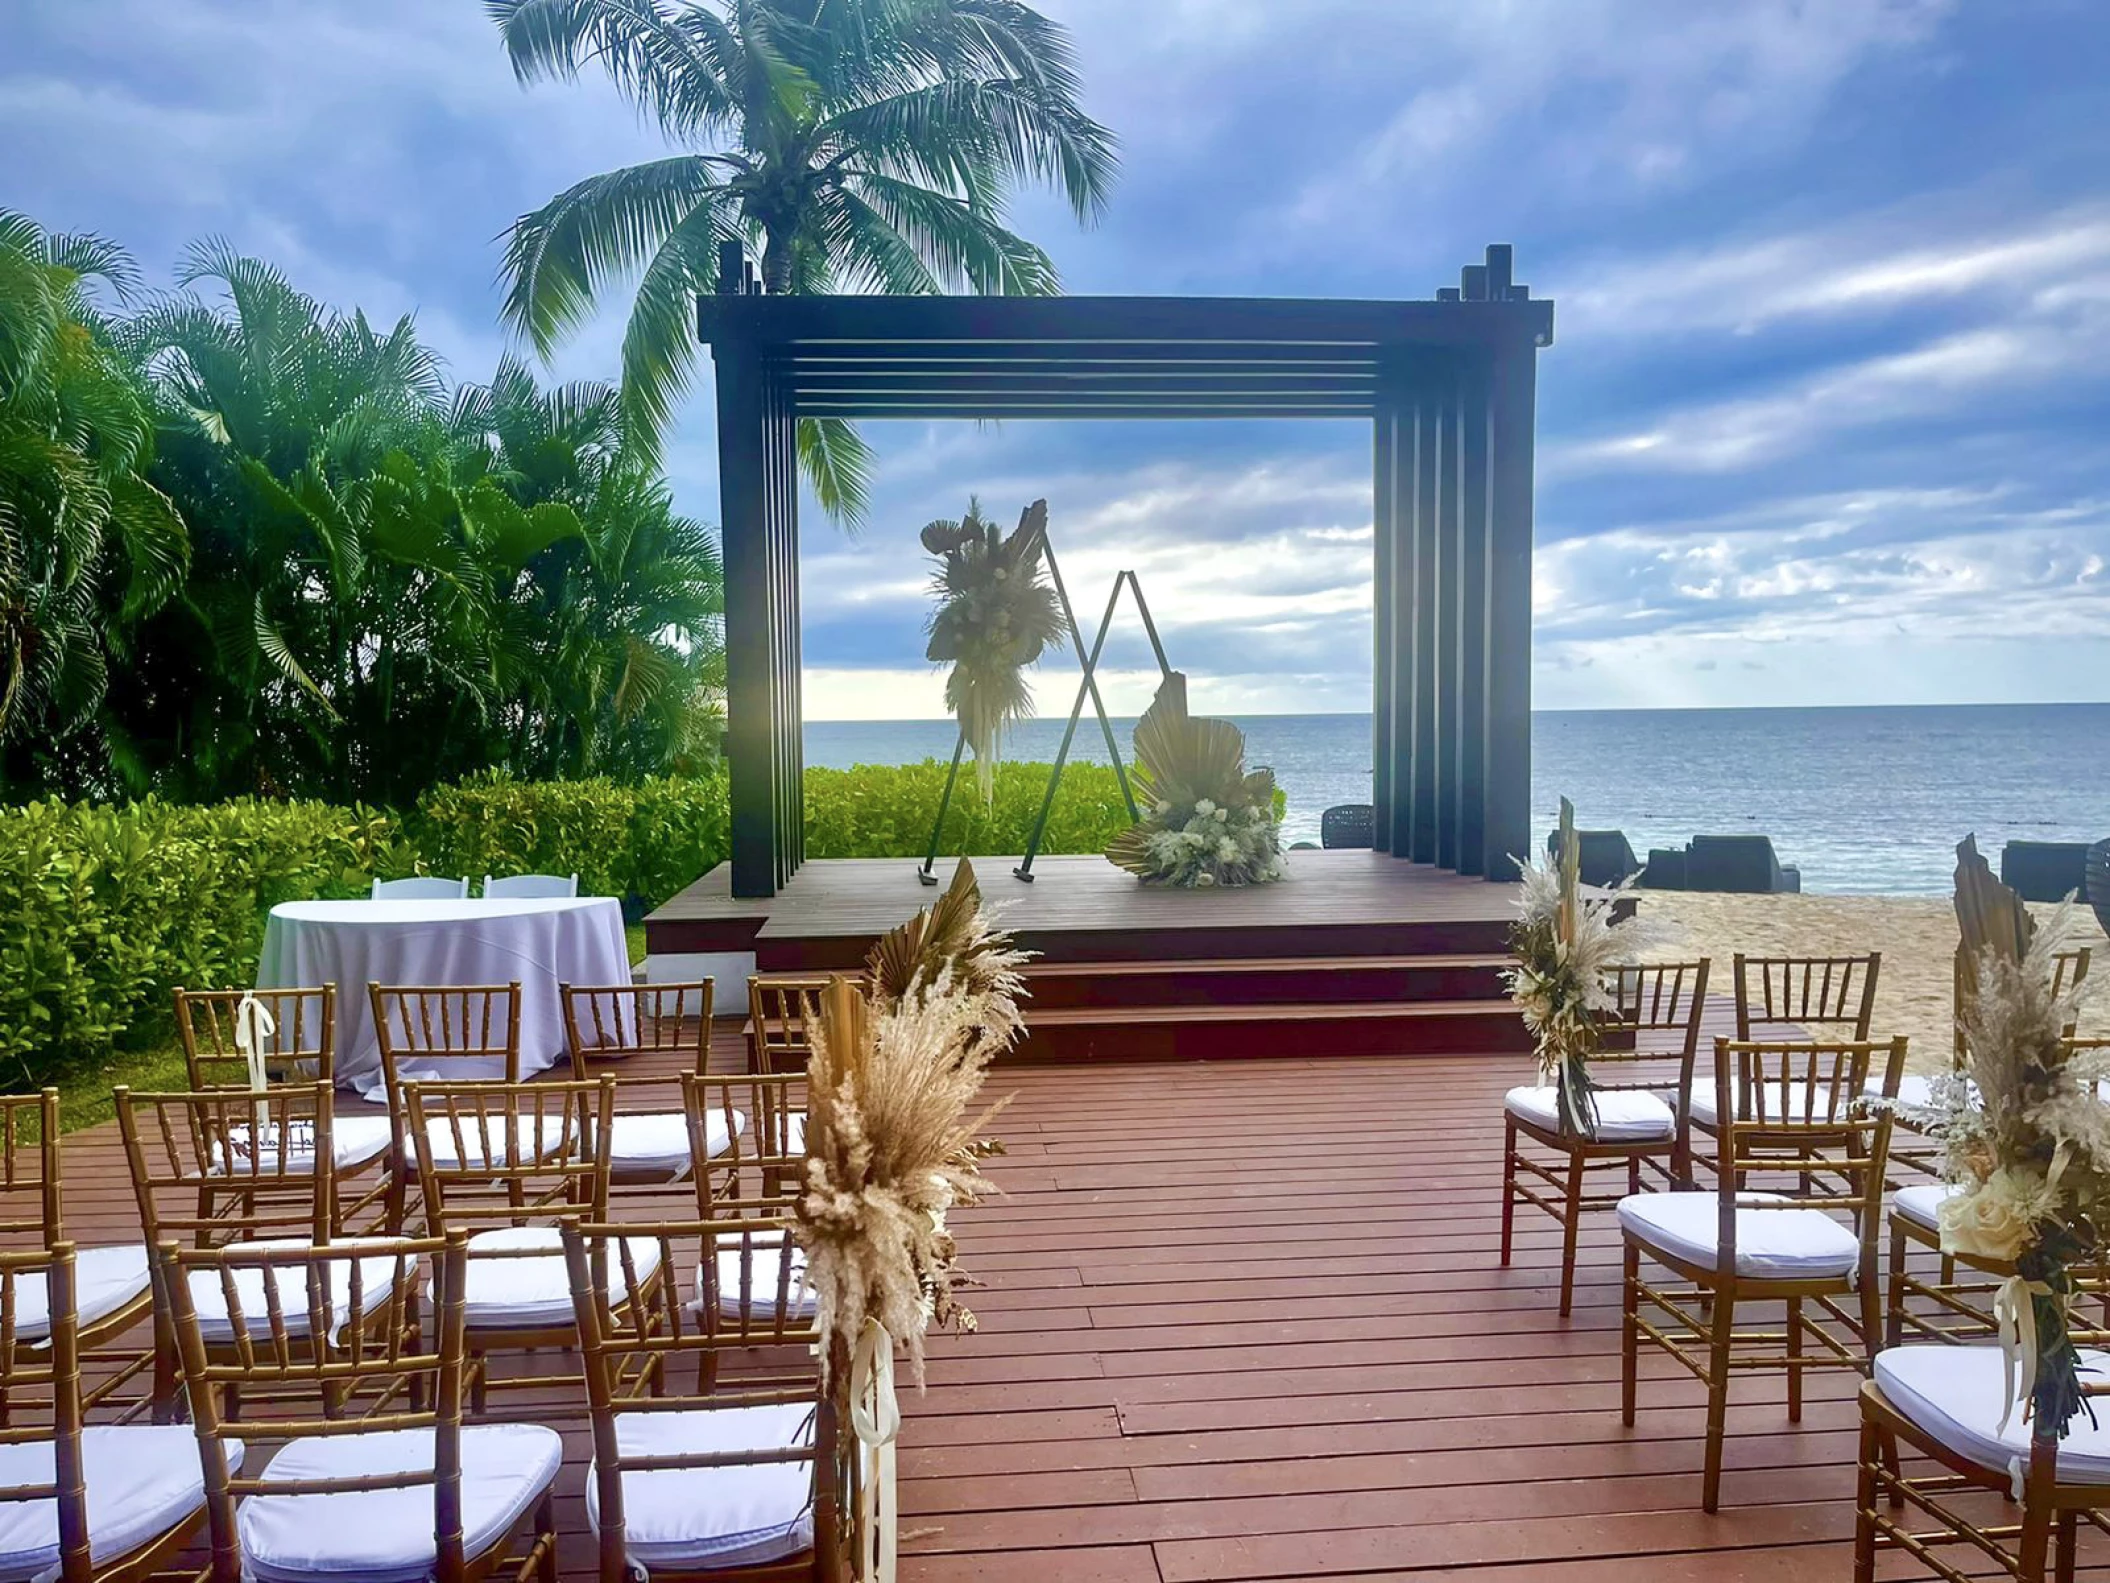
{"points": [[540, 941]]}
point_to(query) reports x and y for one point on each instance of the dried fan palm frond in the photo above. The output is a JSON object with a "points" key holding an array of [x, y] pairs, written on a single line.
{"points": [[956, 943], [996, 615], [1208, 821]]}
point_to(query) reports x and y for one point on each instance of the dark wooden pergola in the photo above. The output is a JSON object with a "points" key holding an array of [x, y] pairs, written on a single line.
{"points": [[1449, 387]]}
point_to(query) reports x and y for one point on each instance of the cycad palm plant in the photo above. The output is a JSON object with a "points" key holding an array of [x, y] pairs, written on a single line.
{"points": [[87, 544], [862, 145]]}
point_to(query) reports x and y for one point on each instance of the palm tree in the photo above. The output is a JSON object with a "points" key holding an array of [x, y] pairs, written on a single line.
{"points": [[863, 145], [87, 545]]}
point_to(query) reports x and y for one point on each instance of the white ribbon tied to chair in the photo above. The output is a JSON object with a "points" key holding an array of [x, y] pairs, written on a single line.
{"points": [[875, 1417], [254, 1028]]}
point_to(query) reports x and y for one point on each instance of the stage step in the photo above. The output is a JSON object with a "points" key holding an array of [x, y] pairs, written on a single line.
{"points": [[1231, 1032], [1257, 981]]}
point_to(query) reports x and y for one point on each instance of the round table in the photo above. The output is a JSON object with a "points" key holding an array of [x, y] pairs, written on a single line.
{"points": [[538, 941]]}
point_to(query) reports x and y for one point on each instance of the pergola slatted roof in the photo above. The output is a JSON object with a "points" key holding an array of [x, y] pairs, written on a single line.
{"points": [[1447, 385]]}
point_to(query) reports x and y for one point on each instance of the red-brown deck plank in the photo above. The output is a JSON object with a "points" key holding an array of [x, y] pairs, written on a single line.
{"points": [[1244, 1321]]}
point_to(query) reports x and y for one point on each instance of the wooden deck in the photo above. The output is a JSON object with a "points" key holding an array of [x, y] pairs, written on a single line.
{"points": [[1244, 1321]]}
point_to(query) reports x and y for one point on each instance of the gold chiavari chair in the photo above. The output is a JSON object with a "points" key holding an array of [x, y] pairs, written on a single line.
{"points": [[507, 1164], [295, 1036], [1786, 1110], [149, 1495], [441, 1032], [113, 1295], [230, 1167], [1951, 1405], [385, 1481], [1634, 1068], [667, 1025], [779, 1006], [745, 1477], [749, 1133]]}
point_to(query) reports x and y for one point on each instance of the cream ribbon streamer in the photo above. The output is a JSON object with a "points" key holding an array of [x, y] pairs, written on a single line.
{"points": [[254, 1027], [875, 1416], [2015, 1324]]}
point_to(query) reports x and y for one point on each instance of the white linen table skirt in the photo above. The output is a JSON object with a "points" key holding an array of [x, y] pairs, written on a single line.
{"points": [[540, 941]]}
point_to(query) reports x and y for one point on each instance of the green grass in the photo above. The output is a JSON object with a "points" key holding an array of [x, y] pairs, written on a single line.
{"points": [[84, 1094]]}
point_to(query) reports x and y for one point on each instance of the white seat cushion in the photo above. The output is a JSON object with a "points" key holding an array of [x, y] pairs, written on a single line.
{"points": [[684, 1519], [658, 1143], [532, 1291], [1624, 1115], [1921, 1204], [765, 1278], [385, 1536], [354, 1141], [105, 1281], [253, 1285], [492, 1140], [1784, 1244], [1767, 1102], [143, 1480], [1957, 1394]]}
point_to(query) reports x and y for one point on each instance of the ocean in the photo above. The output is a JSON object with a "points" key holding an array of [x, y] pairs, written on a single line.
{"points": [[1863, 800]]}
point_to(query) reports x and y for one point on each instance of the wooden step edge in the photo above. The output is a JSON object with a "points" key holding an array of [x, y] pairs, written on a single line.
{"points": [[1307, 1011], [1439, 961]]}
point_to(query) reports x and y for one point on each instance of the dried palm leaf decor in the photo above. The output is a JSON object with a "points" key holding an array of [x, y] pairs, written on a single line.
{"points": [[1564, 945], [2027, 1139], [893, 1142], [996, 615], [1210, 823]]}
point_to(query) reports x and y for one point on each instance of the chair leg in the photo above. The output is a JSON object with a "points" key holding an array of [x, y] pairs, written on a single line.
{"points": [[1894, 1314], [1571, 1229], [2035, 1549], [1865, 1502], [2068, 1531], [1717, 1398], [1794, 1360], [1509, 1187], [1629, 1333], [1871, 1317]]}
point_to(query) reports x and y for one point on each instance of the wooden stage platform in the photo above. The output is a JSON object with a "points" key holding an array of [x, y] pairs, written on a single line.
{"points": [[1355, 952], [1244, 1321]]}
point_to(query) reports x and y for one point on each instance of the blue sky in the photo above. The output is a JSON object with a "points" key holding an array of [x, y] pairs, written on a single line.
{"points": [[1827, 419]]}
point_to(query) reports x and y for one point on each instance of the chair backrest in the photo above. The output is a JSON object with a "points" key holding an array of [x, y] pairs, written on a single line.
{"points": [[1806, 996], [746, 1136], [453, 1031], [633, 1352], [778, 1007], [509, 1154], [2068, 970], [422, 887], [531, 885], [355, 1386], [40, 1391], [293, 1030], [1651, 1037], [1348, 824], [31, 1211], [1799, 1107], [229, 1165], [612, 1022]]}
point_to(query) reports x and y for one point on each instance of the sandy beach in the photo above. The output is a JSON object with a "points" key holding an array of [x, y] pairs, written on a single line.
{"points": [[1916, 935]]}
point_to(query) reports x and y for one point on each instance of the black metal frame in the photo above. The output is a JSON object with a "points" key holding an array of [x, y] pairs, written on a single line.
{"points": [[1088, 687], [1449, 387]]}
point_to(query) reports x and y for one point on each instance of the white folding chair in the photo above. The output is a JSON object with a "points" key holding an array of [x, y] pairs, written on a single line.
{"points": [[422, 887], [528, 886]]}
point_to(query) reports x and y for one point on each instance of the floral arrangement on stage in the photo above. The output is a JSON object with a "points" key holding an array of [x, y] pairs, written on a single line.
{"points": [[891, 1144], [2027, 1139], [1564, 945], [1210, 823], [996, 615]]}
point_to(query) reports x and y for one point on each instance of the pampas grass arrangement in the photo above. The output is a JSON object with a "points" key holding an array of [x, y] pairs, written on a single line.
{"points": [[893, 1138], [1562, 983]]}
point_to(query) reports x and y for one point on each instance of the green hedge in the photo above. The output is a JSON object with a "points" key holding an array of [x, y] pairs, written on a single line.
{"points": [[103, 910]]}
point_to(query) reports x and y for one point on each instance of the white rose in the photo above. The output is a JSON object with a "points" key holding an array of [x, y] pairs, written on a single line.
{"points": [[1222, 813], [1227, 851], [1985, 1222], [1205, 807], [1205, 880]]}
